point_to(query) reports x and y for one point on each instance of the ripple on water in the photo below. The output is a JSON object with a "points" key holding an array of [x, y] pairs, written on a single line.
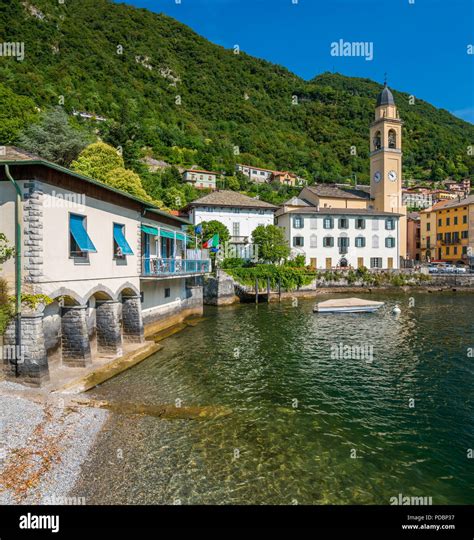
{"points": [[305, 425]]}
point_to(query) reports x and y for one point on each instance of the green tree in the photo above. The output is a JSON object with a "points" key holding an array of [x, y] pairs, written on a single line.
{"points": [[16, 113], [53, 138], [6, 308], [271, 243], [127, 181], [210, 228], [97, 161], [174, 198], [6, 251]]}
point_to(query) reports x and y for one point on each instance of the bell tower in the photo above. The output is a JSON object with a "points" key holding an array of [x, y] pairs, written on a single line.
{"points": [[386, 161]]}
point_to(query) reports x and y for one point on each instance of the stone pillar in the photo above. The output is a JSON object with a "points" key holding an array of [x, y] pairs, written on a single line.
{"points": [[132, 321], [109, 335], [76, 348], [31, 356]]}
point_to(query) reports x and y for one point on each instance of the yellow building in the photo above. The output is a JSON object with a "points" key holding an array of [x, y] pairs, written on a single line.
{"points": [[455, 230], [428, 232]]}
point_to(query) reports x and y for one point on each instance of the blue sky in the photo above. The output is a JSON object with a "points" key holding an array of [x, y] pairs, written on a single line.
{"points": [[421, 45]]}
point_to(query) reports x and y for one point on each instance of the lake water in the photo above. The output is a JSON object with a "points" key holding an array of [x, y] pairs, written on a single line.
{"points": [[305, 426]]}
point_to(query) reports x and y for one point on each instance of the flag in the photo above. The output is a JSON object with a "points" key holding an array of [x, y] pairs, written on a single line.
{"points": [[198, 229], [212, 242]]}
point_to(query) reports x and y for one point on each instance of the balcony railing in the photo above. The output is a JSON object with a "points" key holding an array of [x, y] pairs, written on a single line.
{"points": [[157, 267]]}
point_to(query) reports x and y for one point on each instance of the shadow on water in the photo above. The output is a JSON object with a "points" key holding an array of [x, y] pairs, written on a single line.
{"points": [[308, 424]]}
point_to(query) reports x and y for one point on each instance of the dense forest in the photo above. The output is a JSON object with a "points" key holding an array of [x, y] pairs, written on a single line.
{"points": [[168, 93]]}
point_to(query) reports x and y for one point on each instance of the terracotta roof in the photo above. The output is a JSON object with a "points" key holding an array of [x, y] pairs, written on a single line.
{"points": [[201, 171], [231, 199], [332, 191]]}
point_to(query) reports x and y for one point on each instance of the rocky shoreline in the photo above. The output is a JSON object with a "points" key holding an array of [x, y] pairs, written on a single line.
{"points": [[44, 442]]}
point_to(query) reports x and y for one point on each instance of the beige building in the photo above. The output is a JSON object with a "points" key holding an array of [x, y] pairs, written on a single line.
{"points": [[285, 178], [111, 265]]}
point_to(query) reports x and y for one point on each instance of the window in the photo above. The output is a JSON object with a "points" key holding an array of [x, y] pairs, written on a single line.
{"points": [[377, 142], [235, 229], [328, 223], [298, 222], [375, 262], [167, 292], [448, 221], [455, 237], [360, 223], [440, 222], [428, 226], [313, 223], [343, 223], [390, 224], [298, 241], [360, 242], [375, 224], [447, 250], [392, 139], [79, 242], [455, 249], [464, 219], [328, 241], [390, 242], [121, 246], [464, 234], [375, 241], [313, 241], [439, 236], [464, 250], [343, 242], [455, 220]]}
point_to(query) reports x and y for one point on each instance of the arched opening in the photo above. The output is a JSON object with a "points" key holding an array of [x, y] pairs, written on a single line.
{"points": [[343, 263], [392, 138], [377, 142]]}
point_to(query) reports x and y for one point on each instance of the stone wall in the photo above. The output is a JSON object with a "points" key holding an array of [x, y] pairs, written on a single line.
{"points": [[29, 359], [220, 290]]}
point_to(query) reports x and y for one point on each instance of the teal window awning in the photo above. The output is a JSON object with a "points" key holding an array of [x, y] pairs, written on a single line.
{"points": [[166, 234], [79, 233], [149, 230], [122, 243]]}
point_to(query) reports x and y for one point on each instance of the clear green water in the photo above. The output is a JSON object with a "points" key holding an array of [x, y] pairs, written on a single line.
{"points": [[257, 361]]}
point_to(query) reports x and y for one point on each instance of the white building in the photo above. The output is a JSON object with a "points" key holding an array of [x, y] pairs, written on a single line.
{"points": [[340, 237], [239, 213], [113, 266], [255, 174], [200, 179]]}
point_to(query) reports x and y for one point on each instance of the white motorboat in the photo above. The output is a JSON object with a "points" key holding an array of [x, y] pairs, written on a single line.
{"points": [[347, 305]]}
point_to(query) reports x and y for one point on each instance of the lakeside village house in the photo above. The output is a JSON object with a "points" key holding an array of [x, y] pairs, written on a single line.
{"points": [[115, 267], [239, 213]]}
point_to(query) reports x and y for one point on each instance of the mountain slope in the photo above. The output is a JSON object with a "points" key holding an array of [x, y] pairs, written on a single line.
{"points": [[168, 88]]}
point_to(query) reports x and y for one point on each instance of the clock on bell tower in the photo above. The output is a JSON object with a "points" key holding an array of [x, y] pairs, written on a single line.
{"points": [[386, 161]]}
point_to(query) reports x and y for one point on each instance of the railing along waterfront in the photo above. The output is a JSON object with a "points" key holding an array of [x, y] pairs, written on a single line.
{"points": [[156, 266]]}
